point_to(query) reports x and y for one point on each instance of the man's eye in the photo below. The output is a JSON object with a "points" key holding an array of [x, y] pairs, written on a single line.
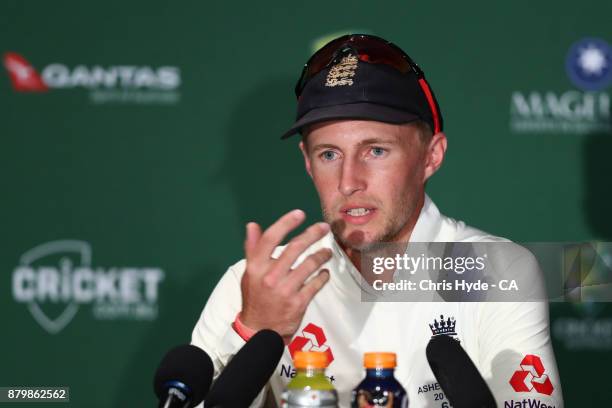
{"points": [[328, 155], [378, 151]]}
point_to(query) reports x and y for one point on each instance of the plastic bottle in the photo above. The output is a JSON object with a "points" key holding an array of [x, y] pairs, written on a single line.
{"points": [[310, 387], [379, 388]]}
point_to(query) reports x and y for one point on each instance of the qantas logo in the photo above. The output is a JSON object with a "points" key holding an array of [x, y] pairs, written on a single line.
{"points": [[531, 377], [24, 77], [312, 339], [140, 84]]}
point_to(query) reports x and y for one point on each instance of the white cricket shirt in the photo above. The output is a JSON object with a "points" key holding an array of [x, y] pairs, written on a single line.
{"points": [[509, 342]]}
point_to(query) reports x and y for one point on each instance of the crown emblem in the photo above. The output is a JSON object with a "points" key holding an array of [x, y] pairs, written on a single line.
{"points": [[343, 72], [443, 327]]}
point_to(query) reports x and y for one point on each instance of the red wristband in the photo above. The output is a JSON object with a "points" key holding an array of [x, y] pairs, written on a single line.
{"points": [[243, 331]]}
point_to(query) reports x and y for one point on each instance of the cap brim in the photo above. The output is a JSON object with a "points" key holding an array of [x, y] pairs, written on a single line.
{"points": [[364, 110]]}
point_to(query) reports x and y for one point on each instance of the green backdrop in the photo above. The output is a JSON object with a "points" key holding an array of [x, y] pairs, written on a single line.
{"points": [[158, 139]]}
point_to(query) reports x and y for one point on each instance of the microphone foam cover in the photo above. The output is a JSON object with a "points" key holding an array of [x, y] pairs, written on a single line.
{"points": [[457, 374], [247, 372], [188, 364]]}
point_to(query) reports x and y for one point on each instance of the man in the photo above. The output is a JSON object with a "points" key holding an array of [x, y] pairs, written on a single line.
{"points": [[371, 138]]}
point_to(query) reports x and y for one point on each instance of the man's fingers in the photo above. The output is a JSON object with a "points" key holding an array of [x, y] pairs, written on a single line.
{"points": [[253, 234], [299, 244], [274, 235], [299, 275], [314, 286]]}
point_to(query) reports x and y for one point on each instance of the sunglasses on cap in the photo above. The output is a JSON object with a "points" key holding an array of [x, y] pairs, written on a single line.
{"points": [[371, 49]]}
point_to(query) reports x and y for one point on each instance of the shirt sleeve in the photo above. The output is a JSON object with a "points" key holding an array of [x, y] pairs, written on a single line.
{"points": [[515, 352], [213, 332]]}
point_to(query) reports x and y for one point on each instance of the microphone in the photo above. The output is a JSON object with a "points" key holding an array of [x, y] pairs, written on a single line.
{"points": [[457, 374], [183, 377], [247, 372]]}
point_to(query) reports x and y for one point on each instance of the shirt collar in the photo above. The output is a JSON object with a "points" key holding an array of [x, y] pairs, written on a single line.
{"points": [[429, 224], [344, 275]]}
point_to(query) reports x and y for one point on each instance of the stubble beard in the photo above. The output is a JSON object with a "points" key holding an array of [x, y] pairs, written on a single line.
{"points": [[392, 225]]}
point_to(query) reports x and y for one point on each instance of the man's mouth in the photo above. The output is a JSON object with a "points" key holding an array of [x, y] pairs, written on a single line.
{"points": [[357, 215], [358, 212]]}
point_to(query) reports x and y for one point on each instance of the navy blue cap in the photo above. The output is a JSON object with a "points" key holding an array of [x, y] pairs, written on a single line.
{"points": [[355, 89]]}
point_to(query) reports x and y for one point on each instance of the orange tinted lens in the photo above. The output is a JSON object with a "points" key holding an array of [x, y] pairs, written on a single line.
{"points": [[323, 57], [379, 52], [370, 49]]}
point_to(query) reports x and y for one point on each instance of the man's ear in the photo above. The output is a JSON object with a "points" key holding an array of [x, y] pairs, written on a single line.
{"points": [[434, 155], [306, 159]]}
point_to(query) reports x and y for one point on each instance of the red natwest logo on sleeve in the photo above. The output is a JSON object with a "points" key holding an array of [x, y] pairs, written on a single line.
{"points": [[531, 376]]}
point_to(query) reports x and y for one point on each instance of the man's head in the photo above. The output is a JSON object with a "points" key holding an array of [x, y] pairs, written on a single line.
{"points": [[372, 136], [370, 176]]}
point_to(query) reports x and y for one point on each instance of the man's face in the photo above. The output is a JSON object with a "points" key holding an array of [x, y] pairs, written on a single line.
{"points": [[370, 178]]}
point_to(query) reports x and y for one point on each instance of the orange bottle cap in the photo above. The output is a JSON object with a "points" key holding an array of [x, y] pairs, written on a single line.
{"points": [[310, 359], [379, 360]]}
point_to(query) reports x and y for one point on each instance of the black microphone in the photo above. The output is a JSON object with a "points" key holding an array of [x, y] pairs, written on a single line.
{"points": [[247, 372], [183, 377], [457, 374]]}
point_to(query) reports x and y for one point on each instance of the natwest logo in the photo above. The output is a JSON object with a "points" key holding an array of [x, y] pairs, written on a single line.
{"points": [[531, 377], [312, 339], [114, 83]]}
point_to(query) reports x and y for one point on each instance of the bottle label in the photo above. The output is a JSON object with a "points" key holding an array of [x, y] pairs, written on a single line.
{"points": [[384, 399], [309, 398]]}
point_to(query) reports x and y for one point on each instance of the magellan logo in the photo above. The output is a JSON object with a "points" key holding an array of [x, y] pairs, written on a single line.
{"points": [[589, 64], [573, 111], [55, 279], [116, 83], [312, 339]]}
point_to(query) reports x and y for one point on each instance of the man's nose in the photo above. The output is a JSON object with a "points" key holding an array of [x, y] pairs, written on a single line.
{"points": [[352, 177]]}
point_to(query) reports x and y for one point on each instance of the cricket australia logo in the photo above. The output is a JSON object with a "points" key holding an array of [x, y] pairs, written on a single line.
{"points": [[57, 278], [444, 327]]}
